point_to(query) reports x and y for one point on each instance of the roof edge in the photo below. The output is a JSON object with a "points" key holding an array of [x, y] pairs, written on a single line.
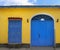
{"points": [[31, 6]]}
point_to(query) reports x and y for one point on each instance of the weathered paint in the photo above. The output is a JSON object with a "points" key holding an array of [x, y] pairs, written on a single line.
{"points": [[26, 13]]}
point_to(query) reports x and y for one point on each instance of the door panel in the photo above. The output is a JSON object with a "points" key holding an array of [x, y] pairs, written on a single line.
{"points": [[35, 33], [14, 32], [42, 33], [46, 33]]}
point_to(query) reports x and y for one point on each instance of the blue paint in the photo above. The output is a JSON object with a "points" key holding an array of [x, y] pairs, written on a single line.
{"points": [[42, 33], [14, 32]]}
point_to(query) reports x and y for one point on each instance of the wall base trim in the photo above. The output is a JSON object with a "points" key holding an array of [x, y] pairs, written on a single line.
{"points": [[15, 45], [57, 44]]}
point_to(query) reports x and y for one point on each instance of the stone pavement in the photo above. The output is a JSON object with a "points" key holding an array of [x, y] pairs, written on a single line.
{"points": [[33, 48]]}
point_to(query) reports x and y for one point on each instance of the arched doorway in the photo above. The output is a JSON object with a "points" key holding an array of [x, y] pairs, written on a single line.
{"points": [[42, 30]]}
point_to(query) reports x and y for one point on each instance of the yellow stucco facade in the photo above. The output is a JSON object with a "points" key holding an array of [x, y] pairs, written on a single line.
{"points": [[26, 13]]}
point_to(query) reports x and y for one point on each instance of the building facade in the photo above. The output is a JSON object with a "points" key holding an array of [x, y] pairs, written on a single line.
{"points": [[17, 22]]}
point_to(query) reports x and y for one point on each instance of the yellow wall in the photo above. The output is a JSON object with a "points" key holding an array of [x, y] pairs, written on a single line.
{"points": [[26, 13]]}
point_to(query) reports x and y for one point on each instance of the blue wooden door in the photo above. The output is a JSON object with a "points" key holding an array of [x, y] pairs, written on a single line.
{"points": [[14, 31], [42, 33]]}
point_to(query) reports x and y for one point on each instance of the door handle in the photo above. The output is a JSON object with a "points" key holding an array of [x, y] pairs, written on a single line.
{"points": [[39, 35]]}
